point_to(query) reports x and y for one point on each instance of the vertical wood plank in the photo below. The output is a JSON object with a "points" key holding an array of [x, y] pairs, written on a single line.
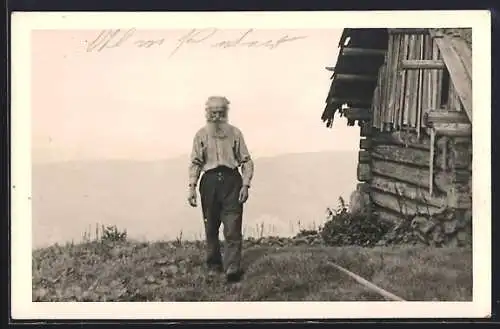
{"points": [[375, 110], [439, 77], [387, 73], [400, 83], [404, 94], [420, 85], [393, 98], [429, 76], [410, 95]]}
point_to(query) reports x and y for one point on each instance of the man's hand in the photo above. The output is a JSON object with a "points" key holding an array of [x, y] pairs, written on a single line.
{"points": [[243, 194], [192, 196]]}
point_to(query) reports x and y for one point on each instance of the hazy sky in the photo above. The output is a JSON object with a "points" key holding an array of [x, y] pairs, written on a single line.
{"points": [[146, 103]]}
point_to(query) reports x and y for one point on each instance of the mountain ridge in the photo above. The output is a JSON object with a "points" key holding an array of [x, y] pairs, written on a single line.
{"points": [[148, 197]]}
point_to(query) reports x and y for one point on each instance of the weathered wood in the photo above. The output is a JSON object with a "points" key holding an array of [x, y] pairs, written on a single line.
{"points": [[444, 116], [431, 162], [397, 153], [402, 205], [351, 51], [365, 129], [464, 52], [460, 193], [427, 102], [367, 284], [437, 76], [408, 31], [400, 83], [460, 153], [383, 93], [364, 172], [393, 80], [458, 73], [354, 113], [422, 64], [355, 77], [420, 86], [349, 101], [413, 175], [365, 143], [413, 88], [407, 139], [363, 187], [410, 85], [453, 129], [364, 157], [406, 190], [442, 152], [387, 215], [385, 71]]}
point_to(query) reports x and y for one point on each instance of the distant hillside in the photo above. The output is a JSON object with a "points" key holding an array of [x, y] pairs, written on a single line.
{"points": [[148, 198]]}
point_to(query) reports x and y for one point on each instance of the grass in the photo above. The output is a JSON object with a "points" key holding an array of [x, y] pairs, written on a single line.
{"points": [[174, 271]]}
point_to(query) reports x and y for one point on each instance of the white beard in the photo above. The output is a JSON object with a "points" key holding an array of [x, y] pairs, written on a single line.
{"points": [[218, 129]]}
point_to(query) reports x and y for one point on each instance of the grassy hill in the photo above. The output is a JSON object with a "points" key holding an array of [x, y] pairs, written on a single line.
{"points": [[148, 198], [172, 271]]}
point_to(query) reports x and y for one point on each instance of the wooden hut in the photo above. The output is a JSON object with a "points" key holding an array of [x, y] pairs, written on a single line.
{"points": [[410, 92]]}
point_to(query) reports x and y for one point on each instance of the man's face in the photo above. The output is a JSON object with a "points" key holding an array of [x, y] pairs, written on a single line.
{"points": [[216, 113]]}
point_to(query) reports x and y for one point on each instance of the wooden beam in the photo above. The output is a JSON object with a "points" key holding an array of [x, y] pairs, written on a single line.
{"points": [[402, 205], [464, 52], [364, 157], [460, 194], [415, 64], [409, 191], [348, 51], [406, 139], [444, 116], [365, 129], [460, 78], [355, 77], [453, 129], [358, 113], [461, 153], [408, 31], [349, 101], [364, 173], [365, 144], [384, 293], [411, 175], [401, 154], [363, 187], [388, 216]]}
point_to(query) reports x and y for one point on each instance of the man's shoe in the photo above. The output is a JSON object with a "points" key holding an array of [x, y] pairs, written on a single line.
{"points": [[232, 277], [215, 269]]}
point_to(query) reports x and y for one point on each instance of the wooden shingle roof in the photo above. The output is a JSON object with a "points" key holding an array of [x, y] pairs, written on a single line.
{"points": [[362, 52]]}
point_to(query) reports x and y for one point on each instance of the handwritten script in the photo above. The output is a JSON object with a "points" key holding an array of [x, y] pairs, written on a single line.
{"points": [[117, 38]]}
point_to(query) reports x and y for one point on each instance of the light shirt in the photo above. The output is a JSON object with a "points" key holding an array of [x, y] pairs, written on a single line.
{"points": [[226, 148]]}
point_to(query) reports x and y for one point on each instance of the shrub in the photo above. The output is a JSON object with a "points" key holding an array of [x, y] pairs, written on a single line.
{"points": [[343, 228], [304, 233], [112, 234], [102, 233]]}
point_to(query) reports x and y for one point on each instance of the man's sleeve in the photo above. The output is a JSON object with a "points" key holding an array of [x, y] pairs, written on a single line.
{"points": [[196, 161], [245, 160]]}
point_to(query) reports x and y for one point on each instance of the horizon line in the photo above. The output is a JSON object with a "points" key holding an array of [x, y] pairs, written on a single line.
{"points": [[184, 155]]}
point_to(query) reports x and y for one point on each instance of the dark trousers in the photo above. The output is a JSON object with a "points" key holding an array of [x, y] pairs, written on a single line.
{"points": [[219, 193]]}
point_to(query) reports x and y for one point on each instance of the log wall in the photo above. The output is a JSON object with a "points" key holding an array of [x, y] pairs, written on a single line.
{"points": [[416, 150]]}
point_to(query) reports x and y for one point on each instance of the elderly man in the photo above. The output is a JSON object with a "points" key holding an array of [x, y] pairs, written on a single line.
{"points": [[219, 149]]}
